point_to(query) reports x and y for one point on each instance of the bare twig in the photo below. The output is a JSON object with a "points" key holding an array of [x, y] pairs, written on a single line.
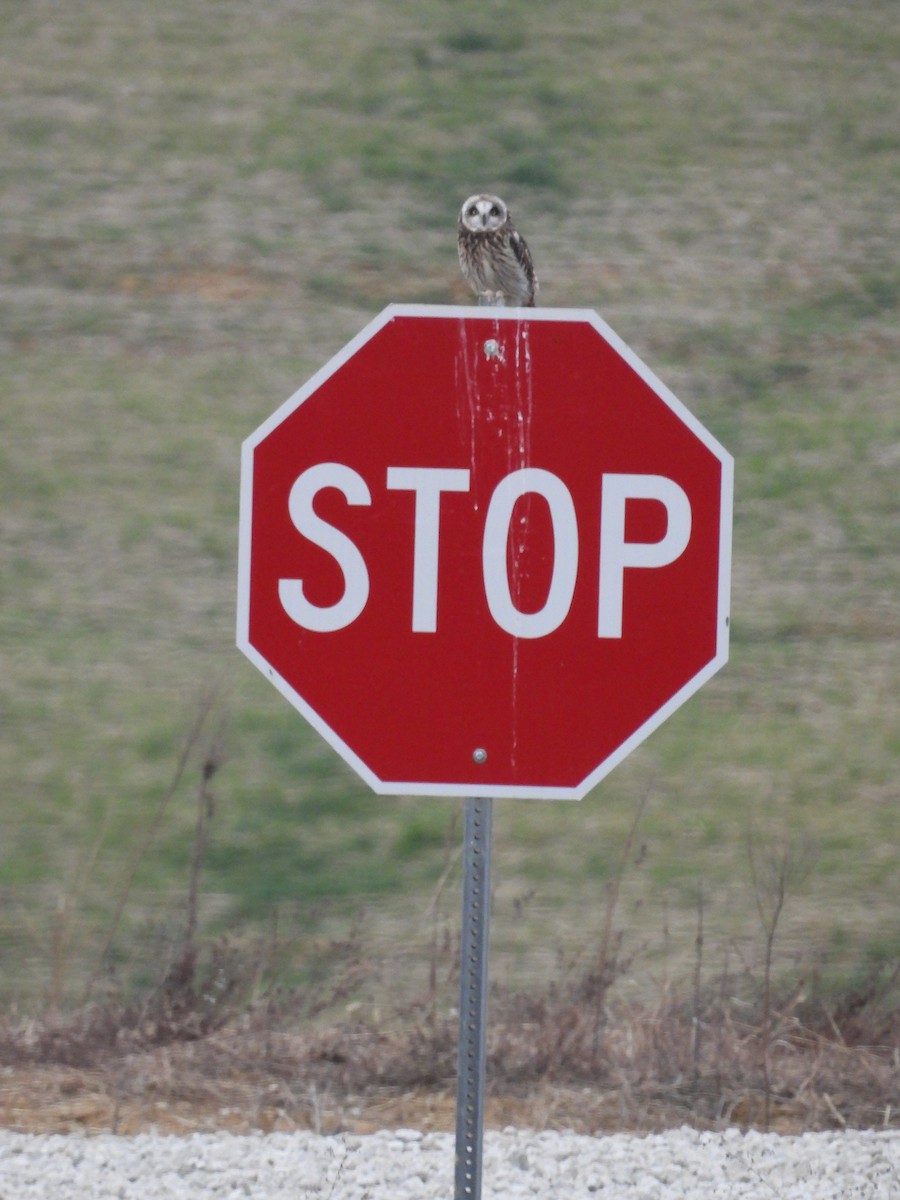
{"points": [[615, 887], [188, 745], [205, 809], [62, 921], [785, 869], [452, 852], [696, 1023]]}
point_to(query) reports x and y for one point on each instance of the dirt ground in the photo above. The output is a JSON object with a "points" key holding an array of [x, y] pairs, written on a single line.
{"points": [[59, 1099], [69, 1100]]}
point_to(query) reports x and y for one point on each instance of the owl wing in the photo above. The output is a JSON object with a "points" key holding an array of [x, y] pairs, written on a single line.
{"points": [[520, 249]]}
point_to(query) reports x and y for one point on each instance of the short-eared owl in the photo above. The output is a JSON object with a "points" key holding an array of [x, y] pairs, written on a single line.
{"points": [[494, 257]]}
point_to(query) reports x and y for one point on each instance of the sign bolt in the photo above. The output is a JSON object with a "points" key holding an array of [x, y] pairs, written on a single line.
{"points": [[479, 755], [491, 348]]}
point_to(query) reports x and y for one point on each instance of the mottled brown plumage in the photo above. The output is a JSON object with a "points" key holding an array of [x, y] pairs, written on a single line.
{"points": [[493, 255]]}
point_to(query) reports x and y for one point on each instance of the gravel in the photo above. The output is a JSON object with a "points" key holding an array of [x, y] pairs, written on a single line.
{"points": [[408, 1165]]}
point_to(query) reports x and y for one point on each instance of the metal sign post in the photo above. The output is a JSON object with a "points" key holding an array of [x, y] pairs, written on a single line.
{"points": [[473, 997], [473, 974]]}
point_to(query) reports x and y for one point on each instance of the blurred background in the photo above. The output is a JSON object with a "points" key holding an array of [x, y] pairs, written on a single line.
{"points": [[200, 204]]}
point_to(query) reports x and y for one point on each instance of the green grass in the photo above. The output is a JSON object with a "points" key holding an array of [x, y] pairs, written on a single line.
{"points": [[199, 205]]}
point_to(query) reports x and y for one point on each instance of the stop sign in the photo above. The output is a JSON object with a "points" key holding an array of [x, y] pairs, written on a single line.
{"points": [[485, 552]]}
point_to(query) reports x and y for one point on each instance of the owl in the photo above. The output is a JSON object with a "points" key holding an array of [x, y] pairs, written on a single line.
{"points": [[493, 256]]}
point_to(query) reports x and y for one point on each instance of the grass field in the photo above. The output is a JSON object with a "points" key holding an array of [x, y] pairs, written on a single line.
{"points": [[199, 205]]}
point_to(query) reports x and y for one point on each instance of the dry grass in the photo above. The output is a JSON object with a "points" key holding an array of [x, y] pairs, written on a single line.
{"points": [[218, 1042], [575, 1056]]}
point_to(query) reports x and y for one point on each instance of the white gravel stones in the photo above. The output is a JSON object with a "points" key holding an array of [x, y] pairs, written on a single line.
{"points": [[407, 1165]]}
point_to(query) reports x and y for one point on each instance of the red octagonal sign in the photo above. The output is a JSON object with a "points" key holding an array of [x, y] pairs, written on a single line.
{"points": [[485, 551]]}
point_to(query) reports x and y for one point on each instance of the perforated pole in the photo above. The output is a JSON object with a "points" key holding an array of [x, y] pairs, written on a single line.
{"points": [[473, 997], [473, 977]]}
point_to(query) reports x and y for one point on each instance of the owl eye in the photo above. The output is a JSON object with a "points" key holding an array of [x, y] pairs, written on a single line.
{"points": [[472, 211], [495, 211]]}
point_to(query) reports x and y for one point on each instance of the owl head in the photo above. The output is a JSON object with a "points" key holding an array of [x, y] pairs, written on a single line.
{"points": [[483, 213]]}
